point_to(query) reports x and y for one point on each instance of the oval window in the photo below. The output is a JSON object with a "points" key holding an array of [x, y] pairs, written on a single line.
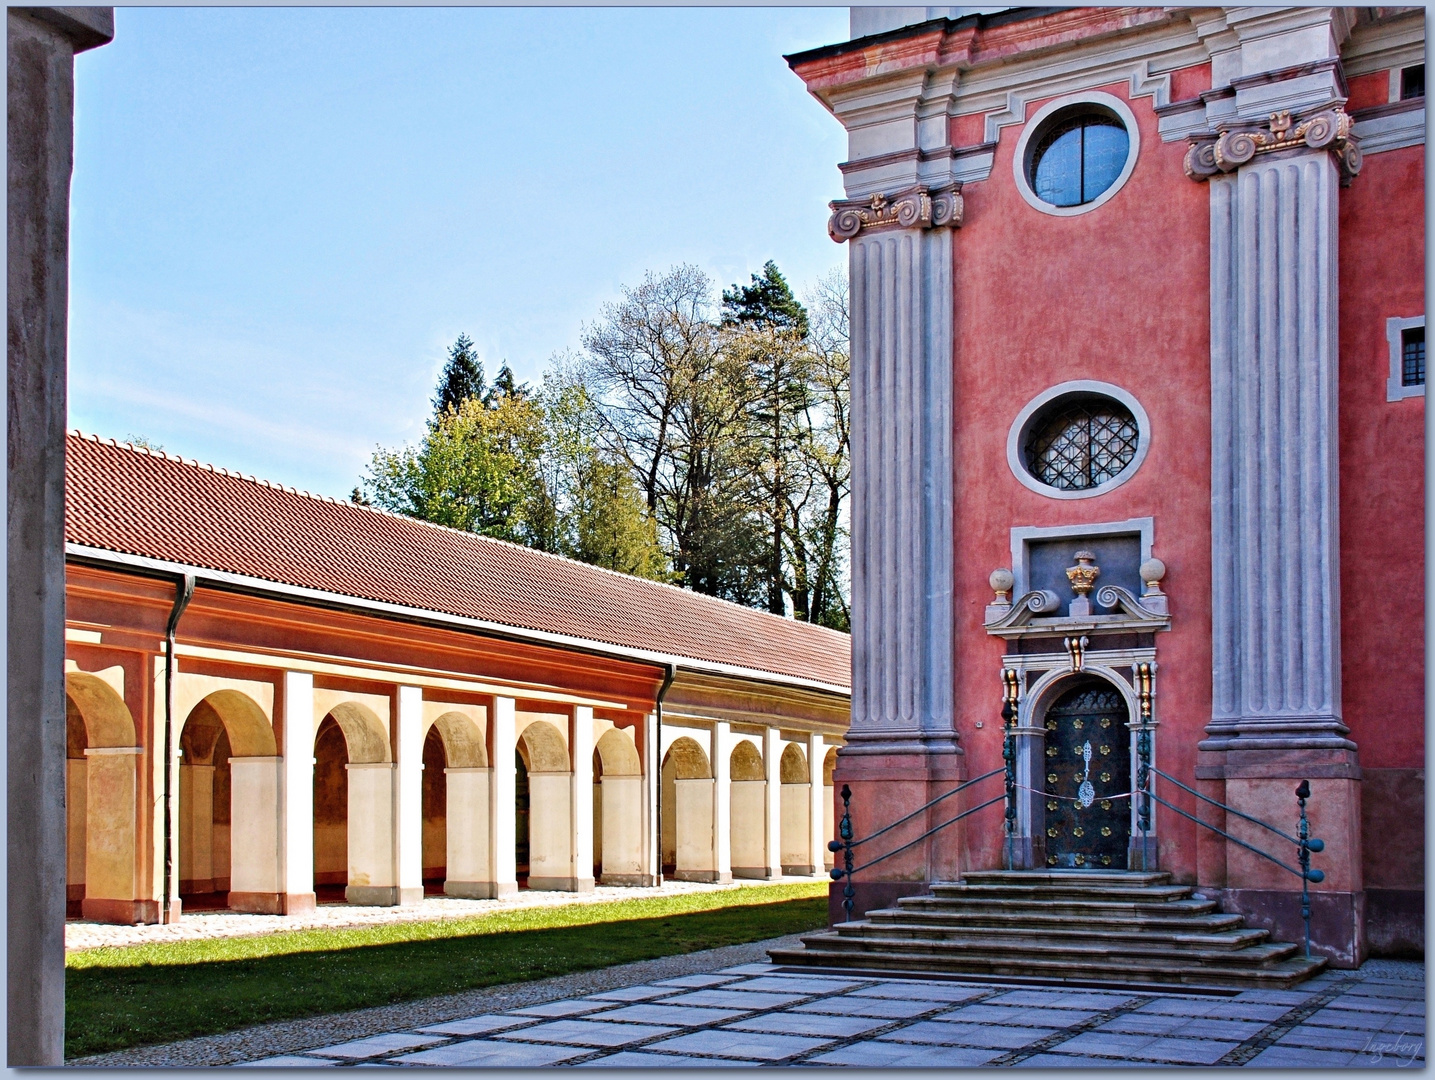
{"points": [[1081, 441], [1078, 158]]}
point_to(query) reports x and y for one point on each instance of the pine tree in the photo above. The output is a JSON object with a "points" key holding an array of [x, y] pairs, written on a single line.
{"points": [[462, 377], [767, 303], [505, 386]]}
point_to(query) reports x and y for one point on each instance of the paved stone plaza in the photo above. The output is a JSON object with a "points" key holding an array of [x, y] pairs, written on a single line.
{"points": [[752, 1014]]}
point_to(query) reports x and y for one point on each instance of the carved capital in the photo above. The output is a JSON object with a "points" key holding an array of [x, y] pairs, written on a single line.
{"points": [[913, 208], [1327, 128]]}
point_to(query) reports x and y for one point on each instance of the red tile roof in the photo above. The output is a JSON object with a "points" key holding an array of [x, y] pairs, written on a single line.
{"points": [[131, 500]]}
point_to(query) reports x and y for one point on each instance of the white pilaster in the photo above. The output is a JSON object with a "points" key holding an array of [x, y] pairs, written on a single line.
{"points": [[771, 758], [652, 776], [816, 818], [722, 802], [502, 789], [408, 795], [901, 491], [297, 792], [581, 798]]}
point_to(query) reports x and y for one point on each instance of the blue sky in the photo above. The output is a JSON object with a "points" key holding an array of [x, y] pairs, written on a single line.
{"points": [[281, 218]]}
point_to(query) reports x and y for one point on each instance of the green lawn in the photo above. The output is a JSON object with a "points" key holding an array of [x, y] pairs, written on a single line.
{"points": [[137, 995]]}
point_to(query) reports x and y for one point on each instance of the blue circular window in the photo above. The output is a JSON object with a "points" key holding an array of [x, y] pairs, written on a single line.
{"points": [[1078, 156]]}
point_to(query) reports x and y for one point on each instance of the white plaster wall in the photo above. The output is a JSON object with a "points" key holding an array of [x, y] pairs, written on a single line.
{"points": [[694, 826], [549, 826], [622, 823], [796, 817], [749, 828], [468, 833], [255, 857], [371, 824]]}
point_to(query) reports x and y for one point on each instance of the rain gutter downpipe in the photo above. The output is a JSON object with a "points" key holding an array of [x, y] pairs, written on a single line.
{"points": [[183, 593], [672, 670]]}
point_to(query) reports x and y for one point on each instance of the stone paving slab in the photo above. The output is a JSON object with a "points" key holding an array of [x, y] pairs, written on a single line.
{"points": [[872, 1021]]}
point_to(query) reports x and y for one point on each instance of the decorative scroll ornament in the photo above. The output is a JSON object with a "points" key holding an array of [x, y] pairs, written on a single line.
{"points": [[914, 208], [1328, 128]]}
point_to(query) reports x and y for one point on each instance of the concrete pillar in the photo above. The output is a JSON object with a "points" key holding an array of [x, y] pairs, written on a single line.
{"points": [[41, 45], [721, 802], [772, 815], [816, 796], [502, 818], [372, 874], [256, 854], [408, 796], [550, 832], [580, 798], [296, 794], [470, 858]]}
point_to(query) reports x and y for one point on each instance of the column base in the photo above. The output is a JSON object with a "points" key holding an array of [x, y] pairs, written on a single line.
{"points": [[476, 890], [749, 872], [711, 877], [799, 870], [1337, 920], [382, 895], [637, 881], [1141, 854], [561, 884], [125, 912], [276, 903]]}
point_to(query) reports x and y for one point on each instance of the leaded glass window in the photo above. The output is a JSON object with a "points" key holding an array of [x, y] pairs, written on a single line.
{"points": [[1412, 356], [1078, 158], [1081, 442]]}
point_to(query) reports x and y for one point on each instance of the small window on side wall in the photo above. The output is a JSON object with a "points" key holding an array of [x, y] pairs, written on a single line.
{"points": [[1406, 338], [1412, 82]]}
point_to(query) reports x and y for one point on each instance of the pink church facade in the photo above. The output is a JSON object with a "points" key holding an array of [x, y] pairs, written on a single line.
{"points": [[1141, 291]]}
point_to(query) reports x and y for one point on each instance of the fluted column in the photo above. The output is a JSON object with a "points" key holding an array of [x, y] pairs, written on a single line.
{"points": [[901, 306]]}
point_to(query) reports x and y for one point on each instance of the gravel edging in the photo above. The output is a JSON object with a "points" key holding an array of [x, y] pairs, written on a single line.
{"points": [[290, 1036]]}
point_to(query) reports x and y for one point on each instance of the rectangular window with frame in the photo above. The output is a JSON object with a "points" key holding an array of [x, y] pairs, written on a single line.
{"points": [[1412, 82], [1412, 356], [1406, 338]]}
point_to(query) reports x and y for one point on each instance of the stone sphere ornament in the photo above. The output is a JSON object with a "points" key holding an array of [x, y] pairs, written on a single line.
{"points": [[1002, 582], [1152, 571]]}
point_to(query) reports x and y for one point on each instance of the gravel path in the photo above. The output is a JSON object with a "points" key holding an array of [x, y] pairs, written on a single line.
{"points": [[288, 1036], [224, 924]]}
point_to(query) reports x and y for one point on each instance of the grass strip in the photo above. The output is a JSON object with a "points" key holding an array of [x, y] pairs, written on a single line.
{"points": [[141, 995]]}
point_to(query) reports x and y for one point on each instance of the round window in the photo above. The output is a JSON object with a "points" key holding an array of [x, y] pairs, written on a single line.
{"points": [[1076, 153], [1078, 157], [1078, 440]]}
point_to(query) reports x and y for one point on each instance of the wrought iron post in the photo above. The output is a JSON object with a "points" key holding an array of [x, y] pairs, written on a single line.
{"points": [[1143, 751], [844, 845], [1009, 700], [1308, 844]]}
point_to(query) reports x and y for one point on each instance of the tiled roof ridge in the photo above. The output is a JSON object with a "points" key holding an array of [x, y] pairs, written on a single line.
{"points": [[194, 463]]}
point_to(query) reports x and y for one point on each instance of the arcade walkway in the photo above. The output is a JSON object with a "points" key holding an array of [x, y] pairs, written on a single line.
{"points": [[749, 1014]]}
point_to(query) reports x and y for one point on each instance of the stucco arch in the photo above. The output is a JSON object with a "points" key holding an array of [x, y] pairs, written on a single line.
{"points": [[618, 754], [250, 733], [463, 743], [792, 766], [363, 733], [745, 762], [547, 752], [829, 762], [689, 760], [105, 715]]}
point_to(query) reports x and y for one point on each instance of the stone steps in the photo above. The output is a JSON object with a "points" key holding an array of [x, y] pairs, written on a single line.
{"points": [[1063, 925]]}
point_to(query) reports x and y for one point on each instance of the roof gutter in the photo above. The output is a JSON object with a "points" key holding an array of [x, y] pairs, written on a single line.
{"points": [[253, 586], [183, 593], [657, 769]]}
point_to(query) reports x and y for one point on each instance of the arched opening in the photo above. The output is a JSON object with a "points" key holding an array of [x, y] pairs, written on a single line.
{"points": [[455, 808], [1087, 767], [102, 785], [550, 828], [618, 810], [228, 806], [522, 800], [353, 809], [829, 807], [796, 831], [686, 828], [435, 813], [749, 811]]}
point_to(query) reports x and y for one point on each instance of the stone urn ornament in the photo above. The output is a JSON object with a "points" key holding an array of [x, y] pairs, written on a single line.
{"points": [[1083, 579]]}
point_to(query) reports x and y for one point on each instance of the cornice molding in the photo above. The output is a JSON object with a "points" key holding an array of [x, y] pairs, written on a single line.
{"points": [[912, 208], [1327, 128]]}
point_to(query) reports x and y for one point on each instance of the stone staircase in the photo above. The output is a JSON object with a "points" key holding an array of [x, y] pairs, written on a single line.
{"points": [[1075, 925]]}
